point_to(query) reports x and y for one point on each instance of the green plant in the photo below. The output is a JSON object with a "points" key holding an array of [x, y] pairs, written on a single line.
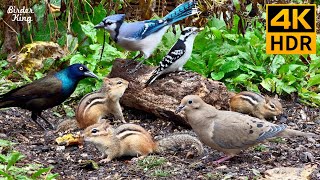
{"points": [[161, 173], [241, 63], [150, 162], [260, 148], [11, 168]]}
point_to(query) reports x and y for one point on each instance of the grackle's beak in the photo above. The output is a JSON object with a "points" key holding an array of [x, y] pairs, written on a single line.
{"points": [[90, 74], [179, 108], [100, 25]]}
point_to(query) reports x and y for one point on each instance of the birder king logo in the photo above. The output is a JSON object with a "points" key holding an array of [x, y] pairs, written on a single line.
{"points": [[20, 14], [291, 29]]}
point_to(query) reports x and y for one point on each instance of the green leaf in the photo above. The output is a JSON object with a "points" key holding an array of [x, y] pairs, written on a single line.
{"points": [[249, 7], [217, 76], [314, 80], [244, 55], [217, 23], [6, 175], [13, 158], [229, 66], [89, 30], [52, 176], [236, 5], [1, 14], [3, 158], [241, 78], [40, 171], [5, 143], [72, 43], [277, 61], [268, 84], [232, 37], [78, 58]]}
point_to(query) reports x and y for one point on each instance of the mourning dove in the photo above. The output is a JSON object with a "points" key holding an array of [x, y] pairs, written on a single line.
{"points": [[227, 131]]}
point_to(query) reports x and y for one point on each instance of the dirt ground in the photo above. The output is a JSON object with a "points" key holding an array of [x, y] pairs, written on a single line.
{"points": [[40, 146]]}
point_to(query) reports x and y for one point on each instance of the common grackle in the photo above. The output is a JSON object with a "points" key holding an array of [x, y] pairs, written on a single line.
{"points": [[46, 92]]}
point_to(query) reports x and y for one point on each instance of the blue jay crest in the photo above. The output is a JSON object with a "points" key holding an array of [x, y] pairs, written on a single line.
{"points": [[115, 17]]}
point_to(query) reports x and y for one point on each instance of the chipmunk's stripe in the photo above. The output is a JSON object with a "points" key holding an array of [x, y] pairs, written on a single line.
{"points": [[126, 135], [94, 101], [127, 132], [251, 99], [129, 129]]}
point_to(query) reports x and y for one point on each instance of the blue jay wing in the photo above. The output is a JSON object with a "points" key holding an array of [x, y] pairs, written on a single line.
{"points": [[140, 29], [152, 26]]}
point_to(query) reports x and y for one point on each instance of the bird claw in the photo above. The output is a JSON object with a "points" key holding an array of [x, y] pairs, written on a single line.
{"points": [[217, 162], [135, 69], [127, 63], [42, 127]]}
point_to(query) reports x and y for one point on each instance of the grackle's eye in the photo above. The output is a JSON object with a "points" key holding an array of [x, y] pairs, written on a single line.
{"points": [[81, 68], [94, 130], [190, 101], [119, 82]]}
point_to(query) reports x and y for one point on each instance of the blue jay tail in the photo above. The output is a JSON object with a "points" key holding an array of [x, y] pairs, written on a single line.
{"points": [[182, 11]]}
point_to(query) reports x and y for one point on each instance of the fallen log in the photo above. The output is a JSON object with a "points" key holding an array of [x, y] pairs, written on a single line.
{"points": [[163, 96]]}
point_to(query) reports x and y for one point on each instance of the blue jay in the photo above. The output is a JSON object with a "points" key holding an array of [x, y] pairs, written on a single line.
{"points": [[178, 54], [144, 36]]}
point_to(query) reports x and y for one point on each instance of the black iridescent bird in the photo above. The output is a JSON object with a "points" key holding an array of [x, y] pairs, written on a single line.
{"points": [[46, 92]]}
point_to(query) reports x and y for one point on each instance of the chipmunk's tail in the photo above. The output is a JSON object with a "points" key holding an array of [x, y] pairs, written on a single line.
{"points": [[67, 125], [178, 140]]}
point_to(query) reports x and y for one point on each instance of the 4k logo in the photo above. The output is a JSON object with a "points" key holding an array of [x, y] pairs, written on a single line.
{"points": [[291, 29]]}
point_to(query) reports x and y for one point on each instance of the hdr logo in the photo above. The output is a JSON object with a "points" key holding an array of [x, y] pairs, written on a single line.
{"points": [[291, 29]]}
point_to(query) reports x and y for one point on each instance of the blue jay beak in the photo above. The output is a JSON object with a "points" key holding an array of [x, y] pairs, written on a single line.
{"points": [[179, 109], [100, 25], [90, 74]]}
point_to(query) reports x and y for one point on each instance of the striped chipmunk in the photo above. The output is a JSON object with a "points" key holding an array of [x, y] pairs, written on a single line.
{"points": [[132, 140], [94, 106], [257, 105]]}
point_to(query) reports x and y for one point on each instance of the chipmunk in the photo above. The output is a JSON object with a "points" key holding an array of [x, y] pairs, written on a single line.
{"points": [[132, 140], [256, 105], [94, 106]]}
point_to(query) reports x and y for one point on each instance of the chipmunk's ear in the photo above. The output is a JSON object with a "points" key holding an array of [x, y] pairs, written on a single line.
{"points": [[267, 98], [104, 122], [106, 80], [276, 96]]}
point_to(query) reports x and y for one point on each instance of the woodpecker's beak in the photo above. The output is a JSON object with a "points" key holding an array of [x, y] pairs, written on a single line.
{"points": [[179, 109], [100, 25], [199, 29], [90, 74]]}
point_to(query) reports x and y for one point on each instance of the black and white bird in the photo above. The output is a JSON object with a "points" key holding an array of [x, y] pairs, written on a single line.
{"points": [[178, 55]]}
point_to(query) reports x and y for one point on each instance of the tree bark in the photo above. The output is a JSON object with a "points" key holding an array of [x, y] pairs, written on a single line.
{"points": [[163, 96]]}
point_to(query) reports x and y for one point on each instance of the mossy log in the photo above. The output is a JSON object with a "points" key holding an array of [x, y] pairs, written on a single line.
{"points": [[163, 96]]}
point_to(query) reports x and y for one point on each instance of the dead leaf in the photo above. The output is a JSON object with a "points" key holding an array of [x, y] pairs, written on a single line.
{"points": [[32, 56], [69, 140]]}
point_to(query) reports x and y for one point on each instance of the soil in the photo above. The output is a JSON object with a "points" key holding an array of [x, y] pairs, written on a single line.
{"points": [[40, 147]]}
